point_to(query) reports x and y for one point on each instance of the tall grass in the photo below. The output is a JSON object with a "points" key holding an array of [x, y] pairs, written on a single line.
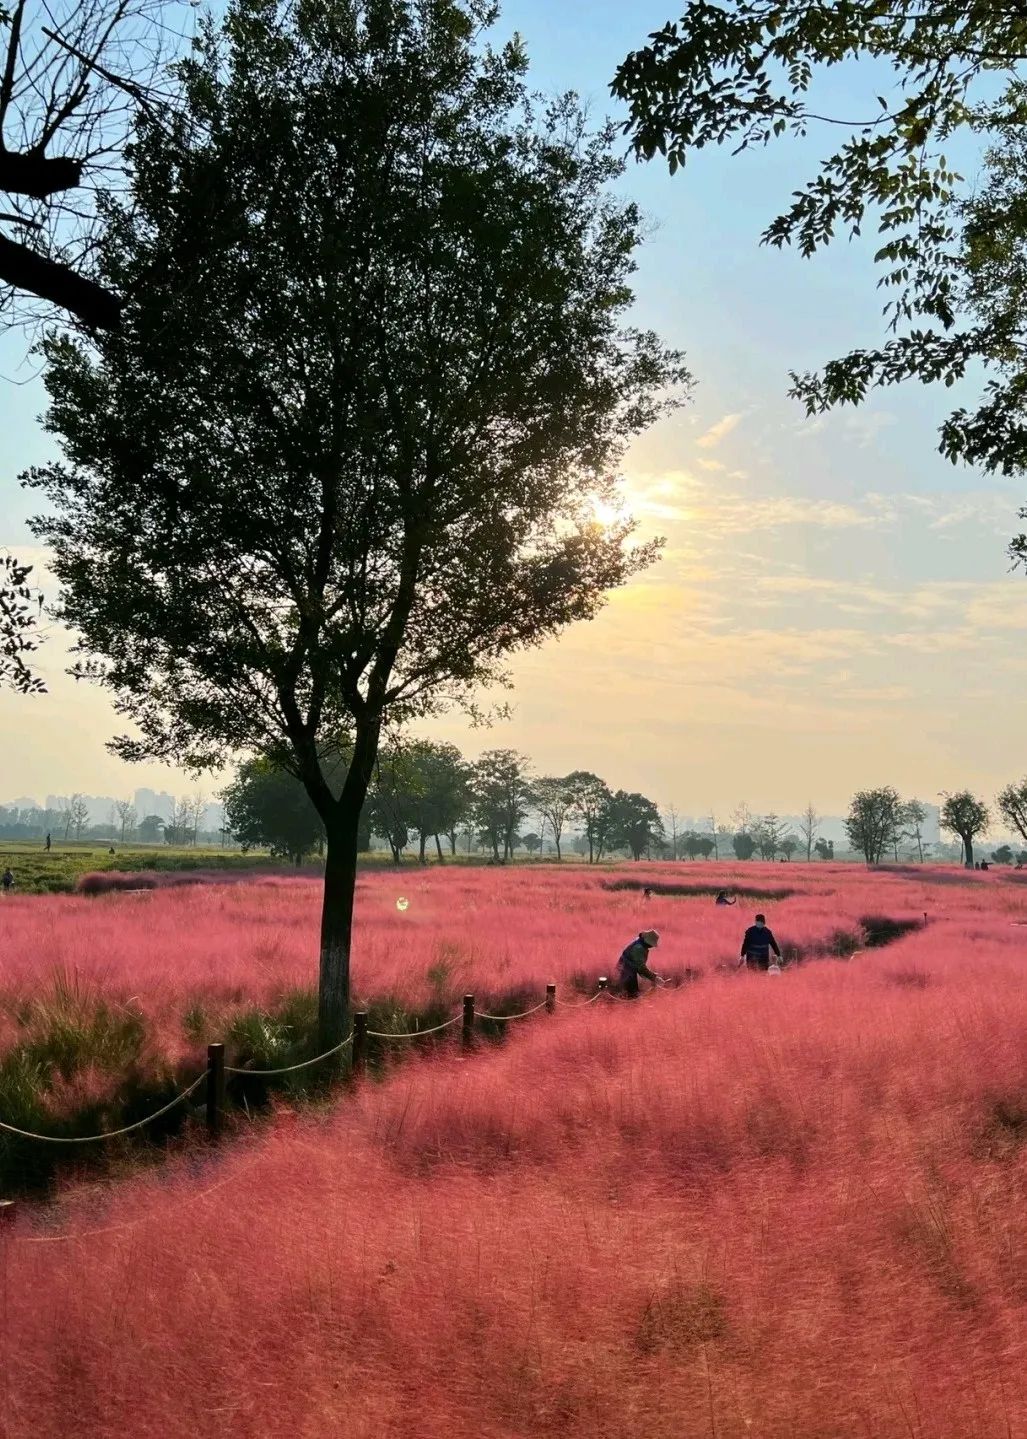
{"points": [[788, 1208]]}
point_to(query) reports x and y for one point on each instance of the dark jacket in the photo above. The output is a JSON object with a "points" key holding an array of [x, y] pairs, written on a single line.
{"points": [[759, 941], [635, 959]]}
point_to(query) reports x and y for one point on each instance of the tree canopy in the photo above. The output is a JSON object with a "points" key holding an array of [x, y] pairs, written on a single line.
{"points": [[341, 457], [743, 72], [966, 815]]}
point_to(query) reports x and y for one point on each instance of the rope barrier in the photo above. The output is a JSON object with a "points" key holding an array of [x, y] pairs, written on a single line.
{"points": [[581, 1003], [289, 1068], [523, 1015], [415, 1033], [111, 1133]]}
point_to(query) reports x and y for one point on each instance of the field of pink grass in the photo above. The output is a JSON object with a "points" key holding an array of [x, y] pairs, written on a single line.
{"points": [[751, 1208], [496, 933]]}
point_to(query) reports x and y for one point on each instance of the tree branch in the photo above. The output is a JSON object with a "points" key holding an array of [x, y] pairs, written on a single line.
{"points": [[89, 302]]}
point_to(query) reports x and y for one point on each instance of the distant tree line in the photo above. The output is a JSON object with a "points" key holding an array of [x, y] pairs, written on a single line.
{"points": [[70, 821], [879, 820]]}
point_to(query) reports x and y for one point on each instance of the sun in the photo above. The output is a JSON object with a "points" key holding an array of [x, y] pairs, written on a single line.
{"points": [[606, 513]]}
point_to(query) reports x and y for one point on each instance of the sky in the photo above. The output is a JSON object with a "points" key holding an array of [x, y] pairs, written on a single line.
{"points": [[834, 607]]}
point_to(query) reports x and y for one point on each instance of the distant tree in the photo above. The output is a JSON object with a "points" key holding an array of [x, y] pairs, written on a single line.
{"points": [[1003, 855], [872, 822], [965, 815], [635, 823], [268, 808], [912, 817], [824, 849], [744, 845], [501, 797], [768, 833], [531, 842], [809, 826], [1021, 858], [126, 814], [1012, 804], [715, 835], [390, 798], [417, 375], [151, 828], [691, 844], [554, 799], [591, 807], [180, 827], [79, 813], [707, 845], [65, 814], [789, 845], [672, 821], [439, 791]]}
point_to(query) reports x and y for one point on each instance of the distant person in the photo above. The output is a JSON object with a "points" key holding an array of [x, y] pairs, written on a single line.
{"points": [[757, 945], [647, 893], [634, 963], [984, 866], [7, 880], [723, 899], [48, 843], [111, 850]]}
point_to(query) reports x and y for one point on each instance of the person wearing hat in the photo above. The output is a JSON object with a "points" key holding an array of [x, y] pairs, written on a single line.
{"points": [[634, 963]]}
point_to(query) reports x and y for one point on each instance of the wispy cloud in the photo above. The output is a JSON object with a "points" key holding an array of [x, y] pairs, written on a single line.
{"points": [[713, 436]]}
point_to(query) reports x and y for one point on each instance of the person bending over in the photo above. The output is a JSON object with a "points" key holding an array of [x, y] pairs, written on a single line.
{"points": [[722, 898], [634, 963], [757, 945]]}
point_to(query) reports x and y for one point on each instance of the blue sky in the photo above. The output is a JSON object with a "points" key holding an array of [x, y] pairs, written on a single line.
{"points": [[834, 607]]}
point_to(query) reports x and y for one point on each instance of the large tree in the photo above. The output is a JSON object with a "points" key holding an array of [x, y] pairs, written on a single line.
{"points": [[360, 467], [966, 815], [872, 822], [744, 72], [635, 823]]}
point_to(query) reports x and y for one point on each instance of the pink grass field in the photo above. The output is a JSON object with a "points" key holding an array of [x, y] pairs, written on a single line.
{"points": [[754, 1206], [494, 933], [750, 1208]]}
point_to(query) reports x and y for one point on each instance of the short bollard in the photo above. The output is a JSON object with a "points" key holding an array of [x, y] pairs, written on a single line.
{"points": [[550, 998], [215, 1089], [360, 1041], [603, 982], [468, 1025]]}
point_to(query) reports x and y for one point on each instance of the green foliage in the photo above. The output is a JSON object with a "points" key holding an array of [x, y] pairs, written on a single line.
{"points": [[1012, 804], [873, 821], [359, 468], [964, 814], [953, 271], [744, 845], [501, 794], [634, 823], [268, 807], [1003, 855], [553, 797], [591, 800]]}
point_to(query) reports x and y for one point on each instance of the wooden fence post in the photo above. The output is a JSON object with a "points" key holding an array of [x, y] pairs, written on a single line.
{"points": [[550, 998], [603, 982], [215, 1089], [468, 1026], [360, 1041]]}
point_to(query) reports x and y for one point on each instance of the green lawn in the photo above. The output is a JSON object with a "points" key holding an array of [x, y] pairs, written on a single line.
{"points": [[36, 872]]}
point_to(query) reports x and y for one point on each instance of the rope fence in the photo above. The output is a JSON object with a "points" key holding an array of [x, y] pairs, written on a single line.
{"points": [[217, 1070]]}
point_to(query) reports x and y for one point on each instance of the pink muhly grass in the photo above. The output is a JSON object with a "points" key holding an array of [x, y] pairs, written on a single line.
{"points": [[788, 1207]]}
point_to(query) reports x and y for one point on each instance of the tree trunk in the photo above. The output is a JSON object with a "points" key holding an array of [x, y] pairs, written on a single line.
{"points": [[337, 927], [968, 845], [559, 856], [422, 841], [438, 847]]}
